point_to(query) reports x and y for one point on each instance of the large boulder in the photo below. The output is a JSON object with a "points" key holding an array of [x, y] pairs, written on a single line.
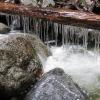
{"points": [[20, 66], [56, 85]]}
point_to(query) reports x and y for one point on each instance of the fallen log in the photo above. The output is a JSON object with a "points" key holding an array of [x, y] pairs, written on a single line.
{"points": [[63, 16]]}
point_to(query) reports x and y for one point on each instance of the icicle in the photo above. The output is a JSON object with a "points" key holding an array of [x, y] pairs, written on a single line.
{"points": [[78, 36], [30, 20], [66, 33], [47, 29], [98, 39], [85, 37], [96, 48], [33, 26], [52, 30], [15, 22], [36, 27], [39, 28], [8, 20], [44, 33], [62, 29], [72, 34], [56, 32], [25, 24]]}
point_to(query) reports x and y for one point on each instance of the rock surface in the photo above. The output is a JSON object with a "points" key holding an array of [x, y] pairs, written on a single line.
{"points": [[4, 28], [41, 49], [56, 85], [38, 3], [47, 3], [20, 65]]}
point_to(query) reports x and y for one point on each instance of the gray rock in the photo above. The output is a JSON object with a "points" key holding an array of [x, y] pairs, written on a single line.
{"points": [[56, 85], [41, 49], [29, 2], [38, 3], [4, 28], [20, 65], [46, 3]]}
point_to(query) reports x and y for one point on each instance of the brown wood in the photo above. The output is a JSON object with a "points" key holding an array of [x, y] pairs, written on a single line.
{"points": [[63, 16]]}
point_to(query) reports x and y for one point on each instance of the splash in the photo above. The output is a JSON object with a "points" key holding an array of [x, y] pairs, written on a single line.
{"points": [[81, 64]]}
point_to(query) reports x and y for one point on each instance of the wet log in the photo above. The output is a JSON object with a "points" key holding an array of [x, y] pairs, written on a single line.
{"points": [[63, 16]]}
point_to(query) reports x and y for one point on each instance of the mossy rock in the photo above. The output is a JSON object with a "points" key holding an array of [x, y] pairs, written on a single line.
{"points": [[20, 66], [4, 28], [41, 49]]}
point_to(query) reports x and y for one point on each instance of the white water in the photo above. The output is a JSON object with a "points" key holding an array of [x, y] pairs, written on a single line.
{"points": [[82, 65]]}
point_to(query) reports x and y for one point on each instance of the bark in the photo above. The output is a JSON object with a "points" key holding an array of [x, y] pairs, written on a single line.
{"points": [[63, 16]]}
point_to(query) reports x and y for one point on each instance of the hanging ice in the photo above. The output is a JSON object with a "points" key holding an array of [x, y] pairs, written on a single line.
{"points": [[15, 22], [51, 32]]}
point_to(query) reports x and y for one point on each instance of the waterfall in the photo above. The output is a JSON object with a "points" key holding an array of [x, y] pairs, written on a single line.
{"points": [[52, 33]]}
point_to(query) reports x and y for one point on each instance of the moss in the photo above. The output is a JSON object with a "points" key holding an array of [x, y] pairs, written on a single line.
{"points": [[95, 95], [33, 51]]}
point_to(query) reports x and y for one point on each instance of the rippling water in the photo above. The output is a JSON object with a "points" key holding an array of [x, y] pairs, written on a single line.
{"points": [[81, 64]]}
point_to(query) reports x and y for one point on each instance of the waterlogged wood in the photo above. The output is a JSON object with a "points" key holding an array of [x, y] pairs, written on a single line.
{"points": [[63, 16]]}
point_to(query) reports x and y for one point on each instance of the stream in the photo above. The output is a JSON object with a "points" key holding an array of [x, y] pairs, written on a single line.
{"points": [[81, 64]]}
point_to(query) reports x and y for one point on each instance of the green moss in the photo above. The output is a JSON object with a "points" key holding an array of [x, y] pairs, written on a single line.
{"points": [[95, 95], [34, 54]]}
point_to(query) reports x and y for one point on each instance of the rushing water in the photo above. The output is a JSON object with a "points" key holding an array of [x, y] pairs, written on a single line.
{"points": [[83, 66]]}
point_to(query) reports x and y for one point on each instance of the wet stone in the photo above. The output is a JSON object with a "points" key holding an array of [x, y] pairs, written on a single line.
{"points": [[4, 28], [56, 85]]}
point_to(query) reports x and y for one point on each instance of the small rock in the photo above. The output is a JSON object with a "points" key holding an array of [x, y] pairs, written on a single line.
{"points": [[30, 2], [38, 3], [47, 3], [4, 28]]}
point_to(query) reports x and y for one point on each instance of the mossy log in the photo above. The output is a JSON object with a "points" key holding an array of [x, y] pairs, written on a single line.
{"points": [[63, 16]]}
